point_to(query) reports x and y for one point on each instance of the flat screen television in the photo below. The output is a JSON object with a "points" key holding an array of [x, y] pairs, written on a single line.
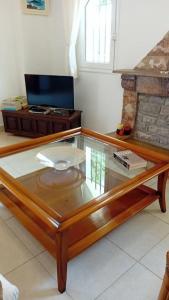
{"points": [[50, 90]]}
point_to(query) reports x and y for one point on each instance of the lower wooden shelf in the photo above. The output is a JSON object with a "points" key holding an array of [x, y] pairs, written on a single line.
{"points": [[87, 231]]}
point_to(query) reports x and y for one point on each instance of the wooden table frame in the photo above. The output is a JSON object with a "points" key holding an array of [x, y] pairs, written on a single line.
{"points": [[61, 235]]}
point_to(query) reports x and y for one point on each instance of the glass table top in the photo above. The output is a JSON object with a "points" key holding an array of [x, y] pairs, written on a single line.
{"points": [[69, 173]]}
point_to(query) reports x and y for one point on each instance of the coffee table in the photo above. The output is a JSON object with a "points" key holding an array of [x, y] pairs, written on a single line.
{"points": [[69, 192]]}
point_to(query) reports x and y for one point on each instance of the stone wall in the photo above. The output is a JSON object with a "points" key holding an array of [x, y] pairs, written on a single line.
{"points": [[129, 108], [152, 120]]}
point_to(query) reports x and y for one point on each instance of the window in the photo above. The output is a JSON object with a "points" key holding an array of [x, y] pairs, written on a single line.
{"points": [[98, 33]]}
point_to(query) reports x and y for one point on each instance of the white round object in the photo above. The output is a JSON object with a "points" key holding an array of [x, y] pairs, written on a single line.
{"points": [[61, 157]]}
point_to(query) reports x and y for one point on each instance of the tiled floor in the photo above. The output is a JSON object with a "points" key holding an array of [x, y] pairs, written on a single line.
{"points": [[127, 264]]}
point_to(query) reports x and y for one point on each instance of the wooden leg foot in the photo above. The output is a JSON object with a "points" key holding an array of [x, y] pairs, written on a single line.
{"points": [[61, 262], [163, 209], [62, 275], [61, 289]]}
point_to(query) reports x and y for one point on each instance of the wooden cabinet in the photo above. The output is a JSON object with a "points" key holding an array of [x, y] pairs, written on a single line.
{"points": [[29, 124]]}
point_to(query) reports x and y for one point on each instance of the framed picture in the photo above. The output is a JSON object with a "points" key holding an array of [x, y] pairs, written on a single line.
{"points": [[39, 7]]}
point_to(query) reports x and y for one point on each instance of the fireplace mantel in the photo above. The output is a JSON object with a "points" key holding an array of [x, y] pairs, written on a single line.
{"points": [[145, 73], [146, 82]]}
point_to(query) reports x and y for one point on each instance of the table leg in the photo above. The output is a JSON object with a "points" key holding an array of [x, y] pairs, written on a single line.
{"points": [[162, 180], [62, 256]]}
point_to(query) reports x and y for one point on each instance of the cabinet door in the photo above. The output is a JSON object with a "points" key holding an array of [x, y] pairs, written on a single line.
{"points": [[58, 126], [26, 125], [11, 123], [43, 127]]}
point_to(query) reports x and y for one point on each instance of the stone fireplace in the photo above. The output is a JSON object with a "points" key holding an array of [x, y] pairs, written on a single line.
{"points": [[146, 96]]}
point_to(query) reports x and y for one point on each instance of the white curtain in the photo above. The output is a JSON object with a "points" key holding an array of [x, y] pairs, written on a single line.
{"points": [[78, 11]]}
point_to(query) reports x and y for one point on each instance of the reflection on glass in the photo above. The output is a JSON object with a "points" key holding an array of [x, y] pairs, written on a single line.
{"points": [[95, 171]]}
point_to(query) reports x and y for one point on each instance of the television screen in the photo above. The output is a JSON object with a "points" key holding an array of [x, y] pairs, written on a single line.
{"points": [[50, 90]]}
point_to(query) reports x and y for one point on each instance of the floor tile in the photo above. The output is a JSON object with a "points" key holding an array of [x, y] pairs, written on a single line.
{"points": [[13, 253], [155, 260], [8, 139], [35, 283], [152, 182], [137, 284], [92, 271], [5, 214], [28, 240], [138, 235], [154, 209]]}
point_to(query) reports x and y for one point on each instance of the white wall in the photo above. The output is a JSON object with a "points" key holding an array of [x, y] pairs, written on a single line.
{"points": [[44, 41], [99, 97], [10, 51], [30, 44], [141, 25]]}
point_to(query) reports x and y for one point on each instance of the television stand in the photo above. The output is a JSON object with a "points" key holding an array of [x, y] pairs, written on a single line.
{"points": [[62, 112], [25, 123]]}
